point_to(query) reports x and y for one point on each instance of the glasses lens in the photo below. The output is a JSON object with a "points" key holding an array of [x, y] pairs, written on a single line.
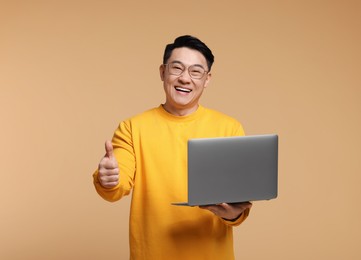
{"points": [[196, 72], [175, 68]]}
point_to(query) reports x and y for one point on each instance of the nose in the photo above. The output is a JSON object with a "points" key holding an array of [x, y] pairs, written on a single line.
{"points": [[185, 77]]}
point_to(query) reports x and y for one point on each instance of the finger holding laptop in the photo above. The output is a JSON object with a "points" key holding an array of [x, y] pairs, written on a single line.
{"points": [[228, 211]]}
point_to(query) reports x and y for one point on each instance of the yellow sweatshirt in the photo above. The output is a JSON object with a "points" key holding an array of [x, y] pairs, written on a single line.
{"points": [[151, 149]]}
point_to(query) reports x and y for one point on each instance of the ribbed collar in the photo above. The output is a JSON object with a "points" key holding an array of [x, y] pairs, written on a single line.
{"points": [[200, 110]]}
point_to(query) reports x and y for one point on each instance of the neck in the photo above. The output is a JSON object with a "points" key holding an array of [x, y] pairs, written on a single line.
{"points": [[180, 111]]}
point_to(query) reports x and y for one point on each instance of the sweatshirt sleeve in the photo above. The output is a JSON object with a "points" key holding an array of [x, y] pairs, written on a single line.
{"points": [[124, 153], [240, 131]]}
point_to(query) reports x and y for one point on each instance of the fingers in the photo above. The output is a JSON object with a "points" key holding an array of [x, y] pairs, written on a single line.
{"points": [[243, 205], [103, 171], [228, 211], [108, 175], [108, 163], [213, 208], [109, 149], [110, 185], [108, 181], [108, 171]]}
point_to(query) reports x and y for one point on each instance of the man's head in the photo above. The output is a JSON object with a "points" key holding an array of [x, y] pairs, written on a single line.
{"points": [[185, 73], [191, 43]]}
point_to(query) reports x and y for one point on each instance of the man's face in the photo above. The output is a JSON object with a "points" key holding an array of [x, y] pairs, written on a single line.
{"points": [[182, 91]]}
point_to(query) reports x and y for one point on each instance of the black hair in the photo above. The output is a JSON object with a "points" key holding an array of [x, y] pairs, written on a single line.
{"points": [[191, 43]]}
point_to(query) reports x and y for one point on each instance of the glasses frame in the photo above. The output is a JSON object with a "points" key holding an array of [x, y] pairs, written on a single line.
{"points": [[185, 68]]}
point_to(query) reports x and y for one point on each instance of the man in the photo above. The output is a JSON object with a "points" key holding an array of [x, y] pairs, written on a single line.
{"points": [[148, 156]]}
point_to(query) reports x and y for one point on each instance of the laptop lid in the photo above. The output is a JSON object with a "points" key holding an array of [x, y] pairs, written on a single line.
{"points": [[232, 169]]}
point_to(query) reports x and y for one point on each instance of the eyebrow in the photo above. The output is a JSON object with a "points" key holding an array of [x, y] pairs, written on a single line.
{"points": [[197, 65]]}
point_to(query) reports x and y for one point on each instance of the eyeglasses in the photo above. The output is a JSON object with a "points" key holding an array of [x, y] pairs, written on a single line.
{"points": [[177, 69]]}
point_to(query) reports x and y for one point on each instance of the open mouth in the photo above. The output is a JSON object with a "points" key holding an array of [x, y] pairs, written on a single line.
{"points": [[185, 90]]}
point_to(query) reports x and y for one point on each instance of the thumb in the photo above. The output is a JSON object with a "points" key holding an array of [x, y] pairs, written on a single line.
{"points": [[109, 149]]}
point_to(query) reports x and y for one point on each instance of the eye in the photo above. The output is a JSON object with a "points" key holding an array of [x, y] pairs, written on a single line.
{"points": [[196, 71], [176, 68]]}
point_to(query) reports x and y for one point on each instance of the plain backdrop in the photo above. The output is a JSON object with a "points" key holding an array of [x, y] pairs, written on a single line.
{"points": [[70, 71]]}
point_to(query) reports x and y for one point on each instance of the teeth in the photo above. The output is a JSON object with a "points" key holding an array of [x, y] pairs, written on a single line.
{"points": [[183, 89]]}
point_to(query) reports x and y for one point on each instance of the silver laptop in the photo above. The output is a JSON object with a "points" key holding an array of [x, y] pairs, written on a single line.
{"points": [[232, 169]]}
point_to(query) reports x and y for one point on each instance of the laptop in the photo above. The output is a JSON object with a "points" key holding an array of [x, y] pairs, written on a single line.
{"points": [[232, 169]]}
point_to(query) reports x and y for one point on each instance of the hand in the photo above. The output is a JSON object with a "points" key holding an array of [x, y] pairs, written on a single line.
{"points": [[228, 211], [108, 171]]}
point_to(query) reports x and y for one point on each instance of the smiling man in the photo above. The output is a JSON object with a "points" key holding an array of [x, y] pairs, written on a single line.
{"points": [[185, 74], [148, 156]]}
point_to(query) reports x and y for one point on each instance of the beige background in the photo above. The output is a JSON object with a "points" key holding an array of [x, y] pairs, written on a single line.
{"points": [[71, 70]]}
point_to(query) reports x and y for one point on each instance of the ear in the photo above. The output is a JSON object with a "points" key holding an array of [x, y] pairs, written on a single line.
{"points": [[207, 80], [162, 71]]}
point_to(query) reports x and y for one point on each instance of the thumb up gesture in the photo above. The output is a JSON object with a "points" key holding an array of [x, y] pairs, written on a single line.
{"points": [[108, 171]]}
